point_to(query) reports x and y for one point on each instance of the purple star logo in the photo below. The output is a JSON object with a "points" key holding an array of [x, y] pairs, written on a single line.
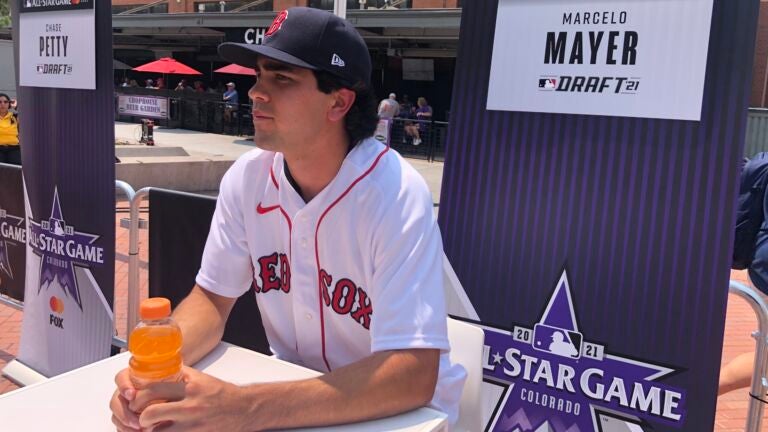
{"points": [[61, 248], [5, 263], [554, 380], [13, 233]]}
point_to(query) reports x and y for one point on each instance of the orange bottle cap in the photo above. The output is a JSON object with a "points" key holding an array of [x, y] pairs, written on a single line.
{"points": [[155, 308]]}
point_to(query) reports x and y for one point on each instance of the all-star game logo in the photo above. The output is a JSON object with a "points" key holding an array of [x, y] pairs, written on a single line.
{"points": [[49, 5], [12, 233], [555, 380], [61, 248]]}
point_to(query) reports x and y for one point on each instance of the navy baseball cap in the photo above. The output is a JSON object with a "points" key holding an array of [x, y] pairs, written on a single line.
{"points": [[308, 38]]}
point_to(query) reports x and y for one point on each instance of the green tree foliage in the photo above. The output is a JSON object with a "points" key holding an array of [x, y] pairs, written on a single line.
{"points": [[5, 13]]}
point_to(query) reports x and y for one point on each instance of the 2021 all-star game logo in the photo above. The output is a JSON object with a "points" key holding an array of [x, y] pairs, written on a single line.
{"points": [[556, 381], [61, 248], [12, 233], [50, 5]]}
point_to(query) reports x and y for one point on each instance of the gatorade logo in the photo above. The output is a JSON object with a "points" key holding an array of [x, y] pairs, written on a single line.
{"points": [[57, 306]]}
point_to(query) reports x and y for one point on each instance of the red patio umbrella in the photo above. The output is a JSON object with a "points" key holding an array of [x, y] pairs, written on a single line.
{"points": [[167, 65], [236, 70]]}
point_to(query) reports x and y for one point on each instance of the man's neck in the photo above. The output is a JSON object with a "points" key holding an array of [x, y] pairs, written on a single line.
{"points": [[315, 169]]}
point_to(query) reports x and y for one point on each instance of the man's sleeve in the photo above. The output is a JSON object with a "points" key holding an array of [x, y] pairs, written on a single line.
{"points": [[407, 292], [226, 263]]}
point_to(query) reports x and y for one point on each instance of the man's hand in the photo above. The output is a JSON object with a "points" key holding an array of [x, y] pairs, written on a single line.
{"points": [[199, 403], [124, 419]]}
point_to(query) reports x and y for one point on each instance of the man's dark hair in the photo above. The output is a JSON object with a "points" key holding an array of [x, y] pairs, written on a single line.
{"points": [[362, 118]]}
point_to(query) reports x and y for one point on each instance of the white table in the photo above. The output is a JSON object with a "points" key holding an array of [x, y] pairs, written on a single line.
{"points": [[79, 400]]}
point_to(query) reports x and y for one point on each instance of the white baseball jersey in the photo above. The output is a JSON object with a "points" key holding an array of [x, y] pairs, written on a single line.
{"points": [[356, 270]]}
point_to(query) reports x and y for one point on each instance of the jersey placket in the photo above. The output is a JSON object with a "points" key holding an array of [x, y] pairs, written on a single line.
{"points": [[303, 276]]}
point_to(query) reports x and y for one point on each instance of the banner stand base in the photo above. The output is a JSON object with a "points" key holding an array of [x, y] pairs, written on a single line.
{"points": [[22, 374]]}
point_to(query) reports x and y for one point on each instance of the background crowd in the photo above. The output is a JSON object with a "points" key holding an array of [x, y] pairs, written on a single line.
{"points": [[9, 131]]}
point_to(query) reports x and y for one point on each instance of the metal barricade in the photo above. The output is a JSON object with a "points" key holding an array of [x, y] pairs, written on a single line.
{"points": [[133, 257], [404, 136], [439, 138], [760, 371], [132, 252], [11, 302]]}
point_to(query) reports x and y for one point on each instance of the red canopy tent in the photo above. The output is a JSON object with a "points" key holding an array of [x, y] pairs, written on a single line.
{"points": [[167, 65], [236, 70]]}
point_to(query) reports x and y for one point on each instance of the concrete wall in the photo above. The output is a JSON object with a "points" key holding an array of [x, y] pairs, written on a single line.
{"points": [[182, 173]]}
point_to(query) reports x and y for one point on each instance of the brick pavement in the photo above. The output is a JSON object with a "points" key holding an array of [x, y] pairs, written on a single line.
{"points": [[740, 322]]}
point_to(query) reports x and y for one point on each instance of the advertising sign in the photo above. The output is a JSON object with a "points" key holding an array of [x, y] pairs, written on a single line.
{"points": [[143, 106], [13, 232], [69, 182], [252, 35], [552, 367], [596, 249], [57, 44], [65, 307], [630, 58]]}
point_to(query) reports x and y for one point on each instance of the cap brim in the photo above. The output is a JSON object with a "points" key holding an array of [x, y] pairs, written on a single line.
{"points": [[246, 55]]}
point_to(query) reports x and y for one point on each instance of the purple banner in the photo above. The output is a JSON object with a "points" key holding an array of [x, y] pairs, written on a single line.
{"points": [[13, 232], [67, 148], [640, 211]]}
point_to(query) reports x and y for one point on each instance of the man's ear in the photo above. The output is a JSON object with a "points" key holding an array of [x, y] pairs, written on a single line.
{"points": [[341, 102]]}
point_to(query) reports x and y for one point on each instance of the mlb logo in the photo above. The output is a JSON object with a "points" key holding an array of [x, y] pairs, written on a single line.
{"points": [[558, 341], [547, 83]]}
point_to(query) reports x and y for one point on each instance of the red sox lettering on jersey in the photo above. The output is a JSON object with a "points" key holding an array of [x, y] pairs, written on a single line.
{"points": [[344, 297], [268, 273]]}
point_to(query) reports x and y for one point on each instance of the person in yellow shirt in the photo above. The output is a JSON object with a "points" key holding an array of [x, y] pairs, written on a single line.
{"points": [[9, 133]]}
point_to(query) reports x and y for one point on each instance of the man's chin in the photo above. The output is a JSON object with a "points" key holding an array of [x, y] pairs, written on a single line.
{"points": [[263, 142]]}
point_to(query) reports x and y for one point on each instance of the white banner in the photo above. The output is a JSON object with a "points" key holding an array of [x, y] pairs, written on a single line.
{"points": [[143, 106], [630, 58], [57, 49]]}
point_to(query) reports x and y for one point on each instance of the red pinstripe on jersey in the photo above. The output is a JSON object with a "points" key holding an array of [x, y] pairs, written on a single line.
{"points": [[272, 176], [317, 255]]}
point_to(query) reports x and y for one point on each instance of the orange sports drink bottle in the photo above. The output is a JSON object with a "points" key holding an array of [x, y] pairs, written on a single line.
{"points": [[155, 344]]}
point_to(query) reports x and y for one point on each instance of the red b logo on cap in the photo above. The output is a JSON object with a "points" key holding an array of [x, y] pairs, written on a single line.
{"points": [[277, 23]]}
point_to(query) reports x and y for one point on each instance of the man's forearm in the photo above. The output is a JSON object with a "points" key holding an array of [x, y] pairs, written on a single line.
{"points": [[202, 317], [381, 385]]}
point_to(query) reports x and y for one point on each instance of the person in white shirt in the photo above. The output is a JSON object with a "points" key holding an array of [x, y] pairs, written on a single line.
{"points": [[389, 108], [338, 236]]}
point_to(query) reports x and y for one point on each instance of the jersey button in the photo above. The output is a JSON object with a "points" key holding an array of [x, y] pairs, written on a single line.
{"points": [[308, 316], [303, 242]]}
